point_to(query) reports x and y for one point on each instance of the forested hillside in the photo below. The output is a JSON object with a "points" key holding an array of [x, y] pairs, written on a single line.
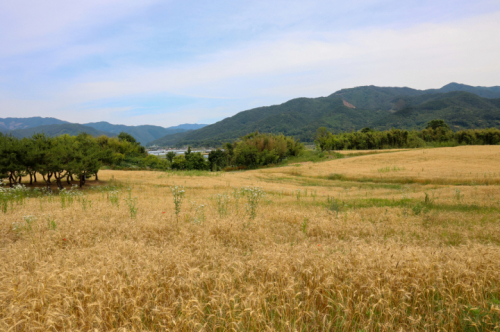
{"points": [[143, 134], [24, 127], [8, 124], [461, 110], [353, 109], [386, 98], [298, 117], [54, 130]]}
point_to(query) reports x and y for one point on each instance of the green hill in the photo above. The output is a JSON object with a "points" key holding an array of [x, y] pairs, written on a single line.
{"points": [[481, 91], [143, 134], [8, 124], [353, 109], [59, 129], [386, 98], [169, 140]]}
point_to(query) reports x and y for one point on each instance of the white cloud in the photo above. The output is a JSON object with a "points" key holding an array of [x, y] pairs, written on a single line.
{"points": [[29, 25], [462, 50]]}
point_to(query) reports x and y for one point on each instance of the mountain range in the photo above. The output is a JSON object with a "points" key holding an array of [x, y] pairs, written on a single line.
{"points": [[461, 106], [25, 127]]}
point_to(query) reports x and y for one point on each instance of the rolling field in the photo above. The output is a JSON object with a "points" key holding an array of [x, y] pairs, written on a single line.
{"points": [[399, 241]]}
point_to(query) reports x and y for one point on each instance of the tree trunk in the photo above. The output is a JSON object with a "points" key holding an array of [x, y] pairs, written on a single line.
{"points": [[67, 179], [10, 181], [59, 184], [47, 181], [71, 175], [82, 179], [96, 178], [34, 175], [31, 179]]}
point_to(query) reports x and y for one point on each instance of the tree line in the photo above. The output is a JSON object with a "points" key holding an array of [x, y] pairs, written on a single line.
{"points": [[436, 133]]}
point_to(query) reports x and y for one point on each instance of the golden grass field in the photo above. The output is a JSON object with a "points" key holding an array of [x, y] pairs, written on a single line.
{"points": [[345, 245]]}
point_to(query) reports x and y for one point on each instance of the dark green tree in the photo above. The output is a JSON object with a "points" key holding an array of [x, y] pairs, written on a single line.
{"points": [[196, 161], [44, 163], [12, 162], [62, 155], [170, 156], [218, 159], [321, 139], [123, 136], [87, 158], [435, 124]]}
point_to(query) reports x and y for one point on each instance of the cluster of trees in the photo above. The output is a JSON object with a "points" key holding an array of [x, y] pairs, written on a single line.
{"points": [[253, 150], [64, 157], [437, 132]]}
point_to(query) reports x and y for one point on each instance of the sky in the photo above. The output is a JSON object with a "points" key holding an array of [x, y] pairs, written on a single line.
{"points": [[172, 62]]}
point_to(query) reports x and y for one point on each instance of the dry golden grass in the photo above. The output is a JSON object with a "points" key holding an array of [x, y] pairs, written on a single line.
{"points": [[458, 165], [376, 258]]}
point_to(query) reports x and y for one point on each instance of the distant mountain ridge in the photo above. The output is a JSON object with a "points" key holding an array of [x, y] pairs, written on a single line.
{"points": [[23, 127], [462, 106], [7, 124], [384, 98], [481, 91], [143, 134], [59, 129]]}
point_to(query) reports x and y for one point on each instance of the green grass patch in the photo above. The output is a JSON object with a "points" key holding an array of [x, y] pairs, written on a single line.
{"points": [[483, 318], [311, 156], [406, 180], [315, 182], [338, 180], [390, 169], [192, 173], [418, 206]]}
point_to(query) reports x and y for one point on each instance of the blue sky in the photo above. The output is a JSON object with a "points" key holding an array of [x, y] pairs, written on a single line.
{"points": [[172, 62]]}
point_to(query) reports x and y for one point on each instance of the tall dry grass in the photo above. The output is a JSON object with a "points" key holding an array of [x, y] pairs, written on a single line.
{"points": [[346, 256], [457, 165]]}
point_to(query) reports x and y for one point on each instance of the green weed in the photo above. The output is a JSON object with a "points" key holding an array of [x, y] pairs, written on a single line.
{"points": [[178, 192]]}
